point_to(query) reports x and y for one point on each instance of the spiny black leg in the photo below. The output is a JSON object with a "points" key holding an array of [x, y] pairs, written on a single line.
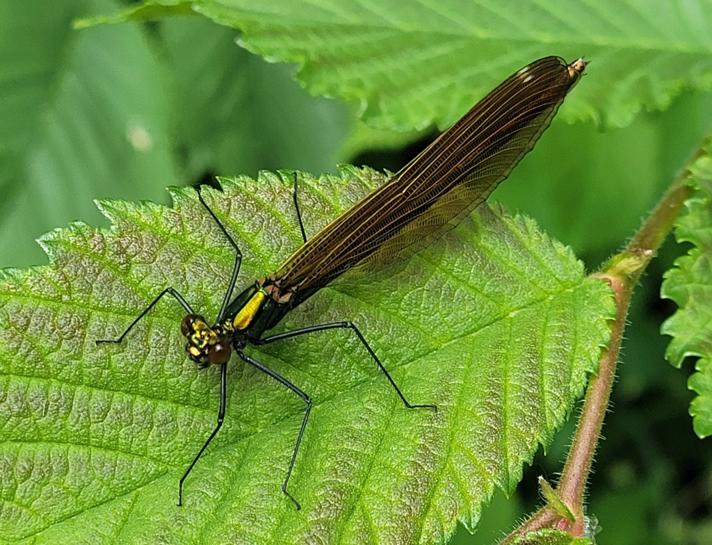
{"points": [[279, 378], [296, 207], [168, 291], [236, 266], [351, 326], [221, 417]]}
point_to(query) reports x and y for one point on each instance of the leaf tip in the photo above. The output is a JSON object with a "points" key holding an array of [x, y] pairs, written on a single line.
{"points": [[110, 208], [180, 193]]}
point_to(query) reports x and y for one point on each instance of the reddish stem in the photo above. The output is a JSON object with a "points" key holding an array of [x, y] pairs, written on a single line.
{"points": [[622, 272]]}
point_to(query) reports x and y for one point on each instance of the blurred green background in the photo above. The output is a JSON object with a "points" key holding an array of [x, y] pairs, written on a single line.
{"points": [[123, 111]]}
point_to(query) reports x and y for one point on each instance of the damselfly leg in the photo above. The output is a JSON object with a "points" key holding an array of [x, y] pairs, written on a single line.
{"points": [[346, 325], [223, 367], [236, 265], [221, 417], [178, 297], [307, 400], [295, 197], [168, 291], [305, 397]]}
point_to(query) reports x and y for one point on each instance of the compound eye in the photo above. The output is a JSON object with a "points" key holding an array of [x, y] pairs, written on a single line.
{"points": [[187, 325], [219, 352], [194, 353]]}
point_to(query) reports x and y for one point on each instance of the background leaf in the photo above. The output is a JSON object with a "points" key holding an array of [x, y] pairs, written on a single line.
{"points": [[240, 114], [497, 325], [377, 53], [382, 51], [76, 118], [689, 284]]}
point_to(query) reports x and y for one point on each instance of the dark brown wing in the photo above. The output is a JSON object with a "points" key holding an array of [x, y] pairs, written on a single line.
{"points": [[441, 185]]}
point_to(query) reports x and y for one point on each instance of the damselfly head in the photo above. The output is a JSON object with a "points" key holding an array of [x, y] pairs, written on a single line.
{"points": [[205, 345]]}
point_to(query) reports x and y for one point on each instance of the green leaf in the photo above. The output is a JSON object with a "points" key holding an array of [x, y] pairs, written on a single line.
{"points": [[496, 324], [689, 284], [554, 501], [78, 120], [239, 113], [427, 63]]}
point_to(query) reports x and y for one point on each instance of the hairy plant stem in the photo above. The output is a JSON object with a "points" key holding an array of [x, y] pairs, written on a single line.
{"points": [[622, 272]]}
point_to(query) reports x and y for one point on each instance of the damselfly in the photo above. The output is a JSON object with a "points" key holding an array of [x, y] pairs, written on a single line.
{"points": [[433, 192]]}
